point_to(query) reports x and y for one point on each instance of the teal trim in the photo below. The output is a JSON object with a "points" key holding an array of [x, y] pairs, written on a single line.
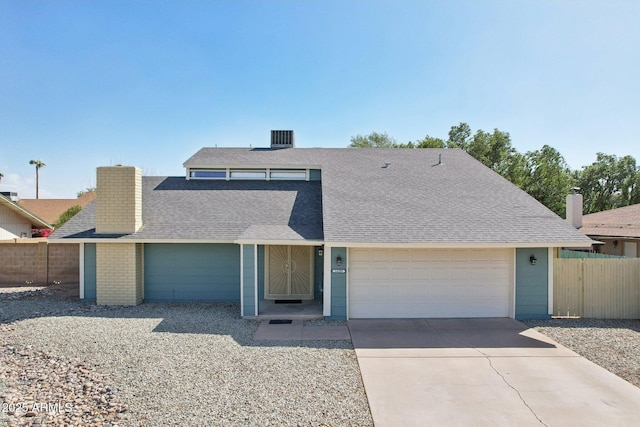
{"points": [[248, 280], [260, 273], [338, 285], [315, 175], [318, 273], [89, 271], [532, 284], [181, 272]]}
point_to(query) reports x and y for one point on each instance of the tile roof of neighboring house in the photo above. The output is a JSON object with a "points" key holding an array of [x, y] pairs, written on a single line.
{"points": [[620, 222], [35, 220], [414, 200], [51, 209]]}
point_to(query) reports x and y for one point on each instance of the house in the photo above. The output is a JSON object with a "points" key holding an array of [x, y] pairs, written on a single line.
{"points": [[618, 230], [17, 222], [51, 209], [367, 233]]}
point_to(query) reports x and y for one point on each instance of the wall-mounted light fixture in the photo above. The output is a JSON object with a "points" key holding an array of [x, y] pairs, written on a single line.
{"points": [[533, 260], [338, 260], [320, 252], [615, 243]]}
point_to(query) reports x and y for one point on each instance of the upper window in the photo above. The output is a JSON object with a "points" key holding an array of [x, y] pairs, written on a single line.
{"points": [[210, 174], [248, 174], [291, 175]]}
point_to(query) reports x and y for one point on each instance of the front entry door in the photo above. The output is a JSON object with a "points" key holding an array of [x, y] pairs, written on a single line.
{"points": [[289, 272]]}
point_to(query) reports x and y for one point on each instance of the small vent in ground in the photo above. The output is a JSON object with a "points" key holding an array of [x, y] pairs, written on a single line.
{"points": [[280, 322], [288, 301]]}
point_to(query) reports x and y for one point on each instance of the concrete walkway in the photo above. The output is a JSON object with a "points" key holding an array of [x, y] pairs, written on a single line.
{"points": [[483, 372], [296, 331]]}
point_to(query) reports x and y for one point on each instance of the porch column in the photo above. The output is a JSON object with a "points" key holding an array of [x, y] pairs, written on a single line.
{"points": [[248, 280], [326, 293]]}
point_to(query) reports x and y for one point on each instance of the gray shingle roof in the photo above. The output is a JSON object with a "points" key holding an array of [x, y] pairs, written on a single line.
{"points": [[413, 200]]}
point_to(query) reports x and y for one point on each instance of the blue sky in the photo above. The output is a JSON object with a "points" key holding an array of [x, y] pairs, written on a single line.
{"points": [[148, 83]]}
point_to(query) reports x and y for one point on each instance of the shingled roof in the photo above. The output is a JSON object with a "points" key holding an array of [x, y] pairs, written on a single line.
{"points": [[413, 200], [620, 222]]}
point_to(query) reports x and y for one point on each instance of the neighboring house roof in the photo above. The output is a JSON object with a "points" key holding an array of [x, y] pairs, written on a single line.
{"points": [[28, 216], [414, 200], [51, 209], [620, 222]]}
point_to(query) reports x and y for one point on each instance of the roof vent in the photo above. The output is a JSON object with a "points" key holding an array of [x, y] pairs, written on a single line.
{"points": [[282, 139]]}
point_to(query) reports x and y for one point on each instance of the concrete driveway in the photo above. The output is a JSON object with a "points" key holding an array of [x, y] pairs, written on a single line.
{"points": [[483, 372]]}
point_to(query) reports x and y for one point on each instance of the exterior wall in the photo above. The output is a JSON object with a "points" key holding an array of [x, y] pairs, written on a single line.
{"points": [[63, 263], [613, 246], [119, 200], [90, 272], [119, 273], [338, 286], [248, 281], [181, 272], [532, 284], [13, 225], [38, 262]]}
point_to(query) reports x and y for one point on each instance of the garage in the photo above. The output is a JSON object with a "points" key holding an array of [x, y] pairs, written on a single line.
{"points": [[414, 283]]}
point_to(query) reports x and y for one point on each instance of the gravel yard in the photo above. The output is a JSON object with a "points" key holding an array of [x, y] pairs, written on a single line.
{"points": [[612, 344], [157, 364]]}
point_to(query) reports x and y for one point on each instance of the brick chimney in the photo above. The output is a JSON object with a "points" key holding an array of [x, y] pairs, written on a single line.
{"points": [[119, 200]]}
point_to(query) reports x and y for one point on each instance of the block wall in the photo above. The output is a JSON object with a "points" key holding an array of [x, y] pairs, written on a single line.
{"points": [[119, 274], [39, 262]]}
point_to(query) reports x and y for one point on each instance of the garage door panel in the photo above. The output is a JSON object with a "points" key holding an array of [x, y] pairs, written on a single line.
{"points": [[430, 283]]}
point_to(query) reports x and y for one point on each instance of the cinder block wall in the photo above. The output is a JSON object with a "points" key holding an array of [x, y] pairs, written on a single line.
{"points": [[39, 262], [119, 273], [119, 199]]}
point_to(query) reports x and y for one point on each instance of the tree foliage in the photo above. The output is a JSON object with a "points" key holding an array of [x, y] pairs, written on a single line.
{"points": [[66, 216], [373, 140], [608, 183]]}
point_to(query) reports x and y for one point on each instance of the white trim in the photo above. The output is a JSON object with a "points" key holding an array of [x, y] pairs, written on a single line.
{"points": [[430, 245], [283, 166], [255, 277], [514, 287], [280, 242], [131, 240], [346, 282], [307, 175], [459, 245], [550, 274], [241, 280], [81, 271], [326, 281]]}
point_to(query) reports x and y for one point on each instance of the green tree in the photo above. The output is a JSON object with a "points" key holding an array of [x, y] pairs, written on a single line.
{"points": [[85, 191], [66, 216], [459, 136], [39, 164], [373, 140], [609, 182], [426, 142], [549, 178]]}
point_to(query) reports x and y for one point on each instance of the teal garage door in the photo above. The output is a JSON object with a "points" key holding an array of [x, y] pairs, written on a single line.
{"points": [[184, 272]]}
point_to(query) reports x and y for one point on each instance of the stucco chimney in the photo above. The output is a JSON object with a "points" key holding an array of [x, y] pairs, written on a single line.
{"points": [[574, 209], [118, 199]]}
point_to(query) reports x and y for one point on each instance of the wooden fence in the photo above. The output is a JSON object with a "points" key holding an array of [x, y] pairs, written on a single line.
{"points": [[597, 288]]}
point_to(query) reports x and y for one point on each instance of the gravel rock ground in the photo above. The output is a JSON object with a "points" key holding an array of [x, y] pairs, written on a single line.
{"points": [[612, 344], [159, 364]]}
